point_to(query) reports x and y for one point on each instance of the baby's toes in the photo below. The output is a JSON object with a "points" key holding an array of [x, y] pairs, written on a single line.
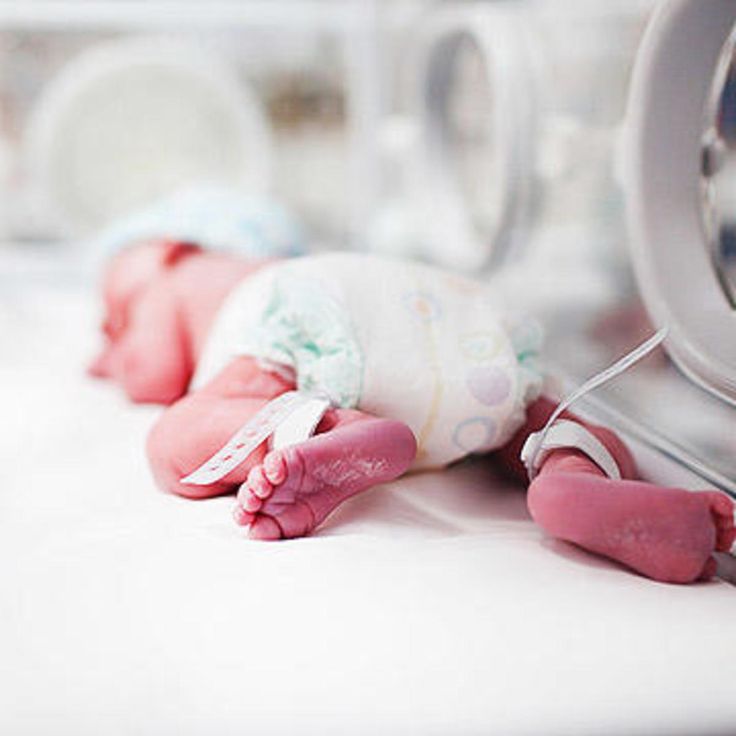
{"points": [[241, 516], [248, 501], [255, 488], [722, 510], [264, 528], [295, 519], [274, 467], [258, 482]]}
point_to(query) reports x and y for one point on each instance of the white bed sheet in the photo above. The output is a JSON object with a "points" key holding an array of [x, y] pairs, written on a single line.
{"points": [[430, 606]]}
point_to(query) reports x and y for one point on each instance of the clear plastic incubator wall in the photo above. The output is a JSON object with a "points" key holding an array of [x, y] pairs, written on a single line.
{"points": [[496, 138]]}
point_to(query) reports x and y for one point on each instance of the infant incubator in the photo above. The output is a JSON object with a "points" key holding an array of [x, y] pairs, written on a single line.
{"points": [[574, 157], [475, 135]]}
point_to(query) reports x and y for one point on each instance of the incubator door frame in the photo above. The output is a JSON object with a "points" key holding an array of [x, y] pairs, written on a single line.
{"points": [[661, 164]]}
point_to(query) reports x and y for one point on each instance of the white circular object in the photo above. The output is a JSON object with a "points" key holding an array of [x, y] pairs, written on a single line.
{"points": [[131, 120], [661, 168], [496, 33]]}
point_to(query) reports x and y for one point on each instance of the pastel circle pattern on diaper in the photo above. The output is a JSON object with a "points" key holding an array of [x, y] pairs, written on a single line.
{"points": [[422, 305], [490, 385], [480, 347], [474, 434]]}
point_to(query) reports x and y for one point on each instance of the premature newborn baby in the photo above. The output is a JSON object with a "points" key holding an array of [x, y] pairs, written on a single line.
{"points": [[420, 369]]}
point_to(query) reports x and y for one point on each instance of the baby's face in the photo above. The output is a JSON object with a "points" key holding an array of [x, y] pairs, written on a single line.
{"points": [[144, 350], [127, 279]]}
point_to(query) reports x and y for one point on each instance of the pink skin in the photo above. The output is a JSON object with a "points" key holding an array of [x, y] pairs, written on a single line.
{"points": [[285, 493], [293, 490], [161, 299], [667, 534]]}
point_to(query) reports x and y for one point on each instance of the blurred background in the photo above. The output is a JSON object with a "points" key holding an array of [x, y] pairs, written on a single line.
{"points": [[482, 136]]}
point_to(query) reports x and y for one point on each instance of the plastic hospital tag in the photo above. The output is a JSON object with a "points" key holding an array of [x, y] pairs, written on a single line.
{"points": [[300, 424], [537, 442], [255, 431]]}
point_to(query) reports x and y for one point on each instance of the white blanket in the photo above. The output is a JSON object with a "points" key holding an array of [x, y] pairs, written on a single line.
{"points": [[430, 606]]}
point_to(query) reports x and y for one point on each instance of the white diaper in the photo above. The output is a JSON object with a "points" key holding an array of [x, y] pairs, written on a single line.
{"points": [[393, 338]]}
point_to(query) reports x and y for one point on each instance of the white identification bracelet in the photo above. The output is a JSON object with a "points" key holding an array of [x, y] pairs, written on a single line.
{"points": [[288, 419]]}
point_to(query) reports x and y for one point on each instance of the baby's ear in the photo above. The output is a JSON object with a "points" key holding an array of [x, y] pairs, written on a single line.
{"points": [[172, 251]]}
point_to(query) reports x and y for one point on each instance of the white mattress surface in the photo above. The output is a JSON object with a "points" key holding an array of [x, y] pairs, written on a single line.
{"points": [[429, 606]]}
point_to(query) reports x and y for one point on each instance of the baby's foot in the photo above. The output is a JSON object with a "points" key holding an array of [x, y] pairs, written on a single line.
{"points": [[666, 534], [296, 488]]}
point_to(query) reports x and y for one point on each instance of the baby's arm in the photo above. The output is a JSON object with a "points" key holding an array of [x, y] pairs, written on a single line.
{"points": [[667, 534]]}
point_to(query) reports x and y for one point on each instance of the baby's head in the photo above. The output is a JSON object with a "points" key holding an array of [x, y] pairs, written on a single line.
{"points": [[145, 342], [131, 272], [134, 275]]}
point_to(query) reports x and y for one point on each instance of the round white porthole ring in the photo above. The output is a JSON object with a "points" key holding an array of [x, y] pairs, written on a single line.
{"points": [[499, 35], [662, 154], [108, 59]]}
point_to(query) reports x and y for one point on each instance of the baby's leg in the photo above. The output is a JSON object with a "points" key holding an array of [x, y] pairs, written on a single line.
{"points": [[297, 487], [668, 534], [293, 490]]}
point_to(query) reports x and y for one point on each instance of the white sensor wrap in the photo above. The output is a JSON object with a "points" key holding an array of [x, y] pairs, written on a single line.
{"points": [[567, 434], [578, 437]]}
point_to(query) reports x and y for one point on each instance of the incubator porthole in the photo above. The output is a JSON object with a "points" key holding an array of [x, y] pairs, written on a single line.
{"points": [[133, 119], [718, 170], [475, 114]]}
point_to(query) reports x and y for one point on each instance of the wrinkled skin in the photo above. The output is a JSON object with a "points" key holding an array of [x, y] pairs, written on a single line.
{"points": [[160, 300]]}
